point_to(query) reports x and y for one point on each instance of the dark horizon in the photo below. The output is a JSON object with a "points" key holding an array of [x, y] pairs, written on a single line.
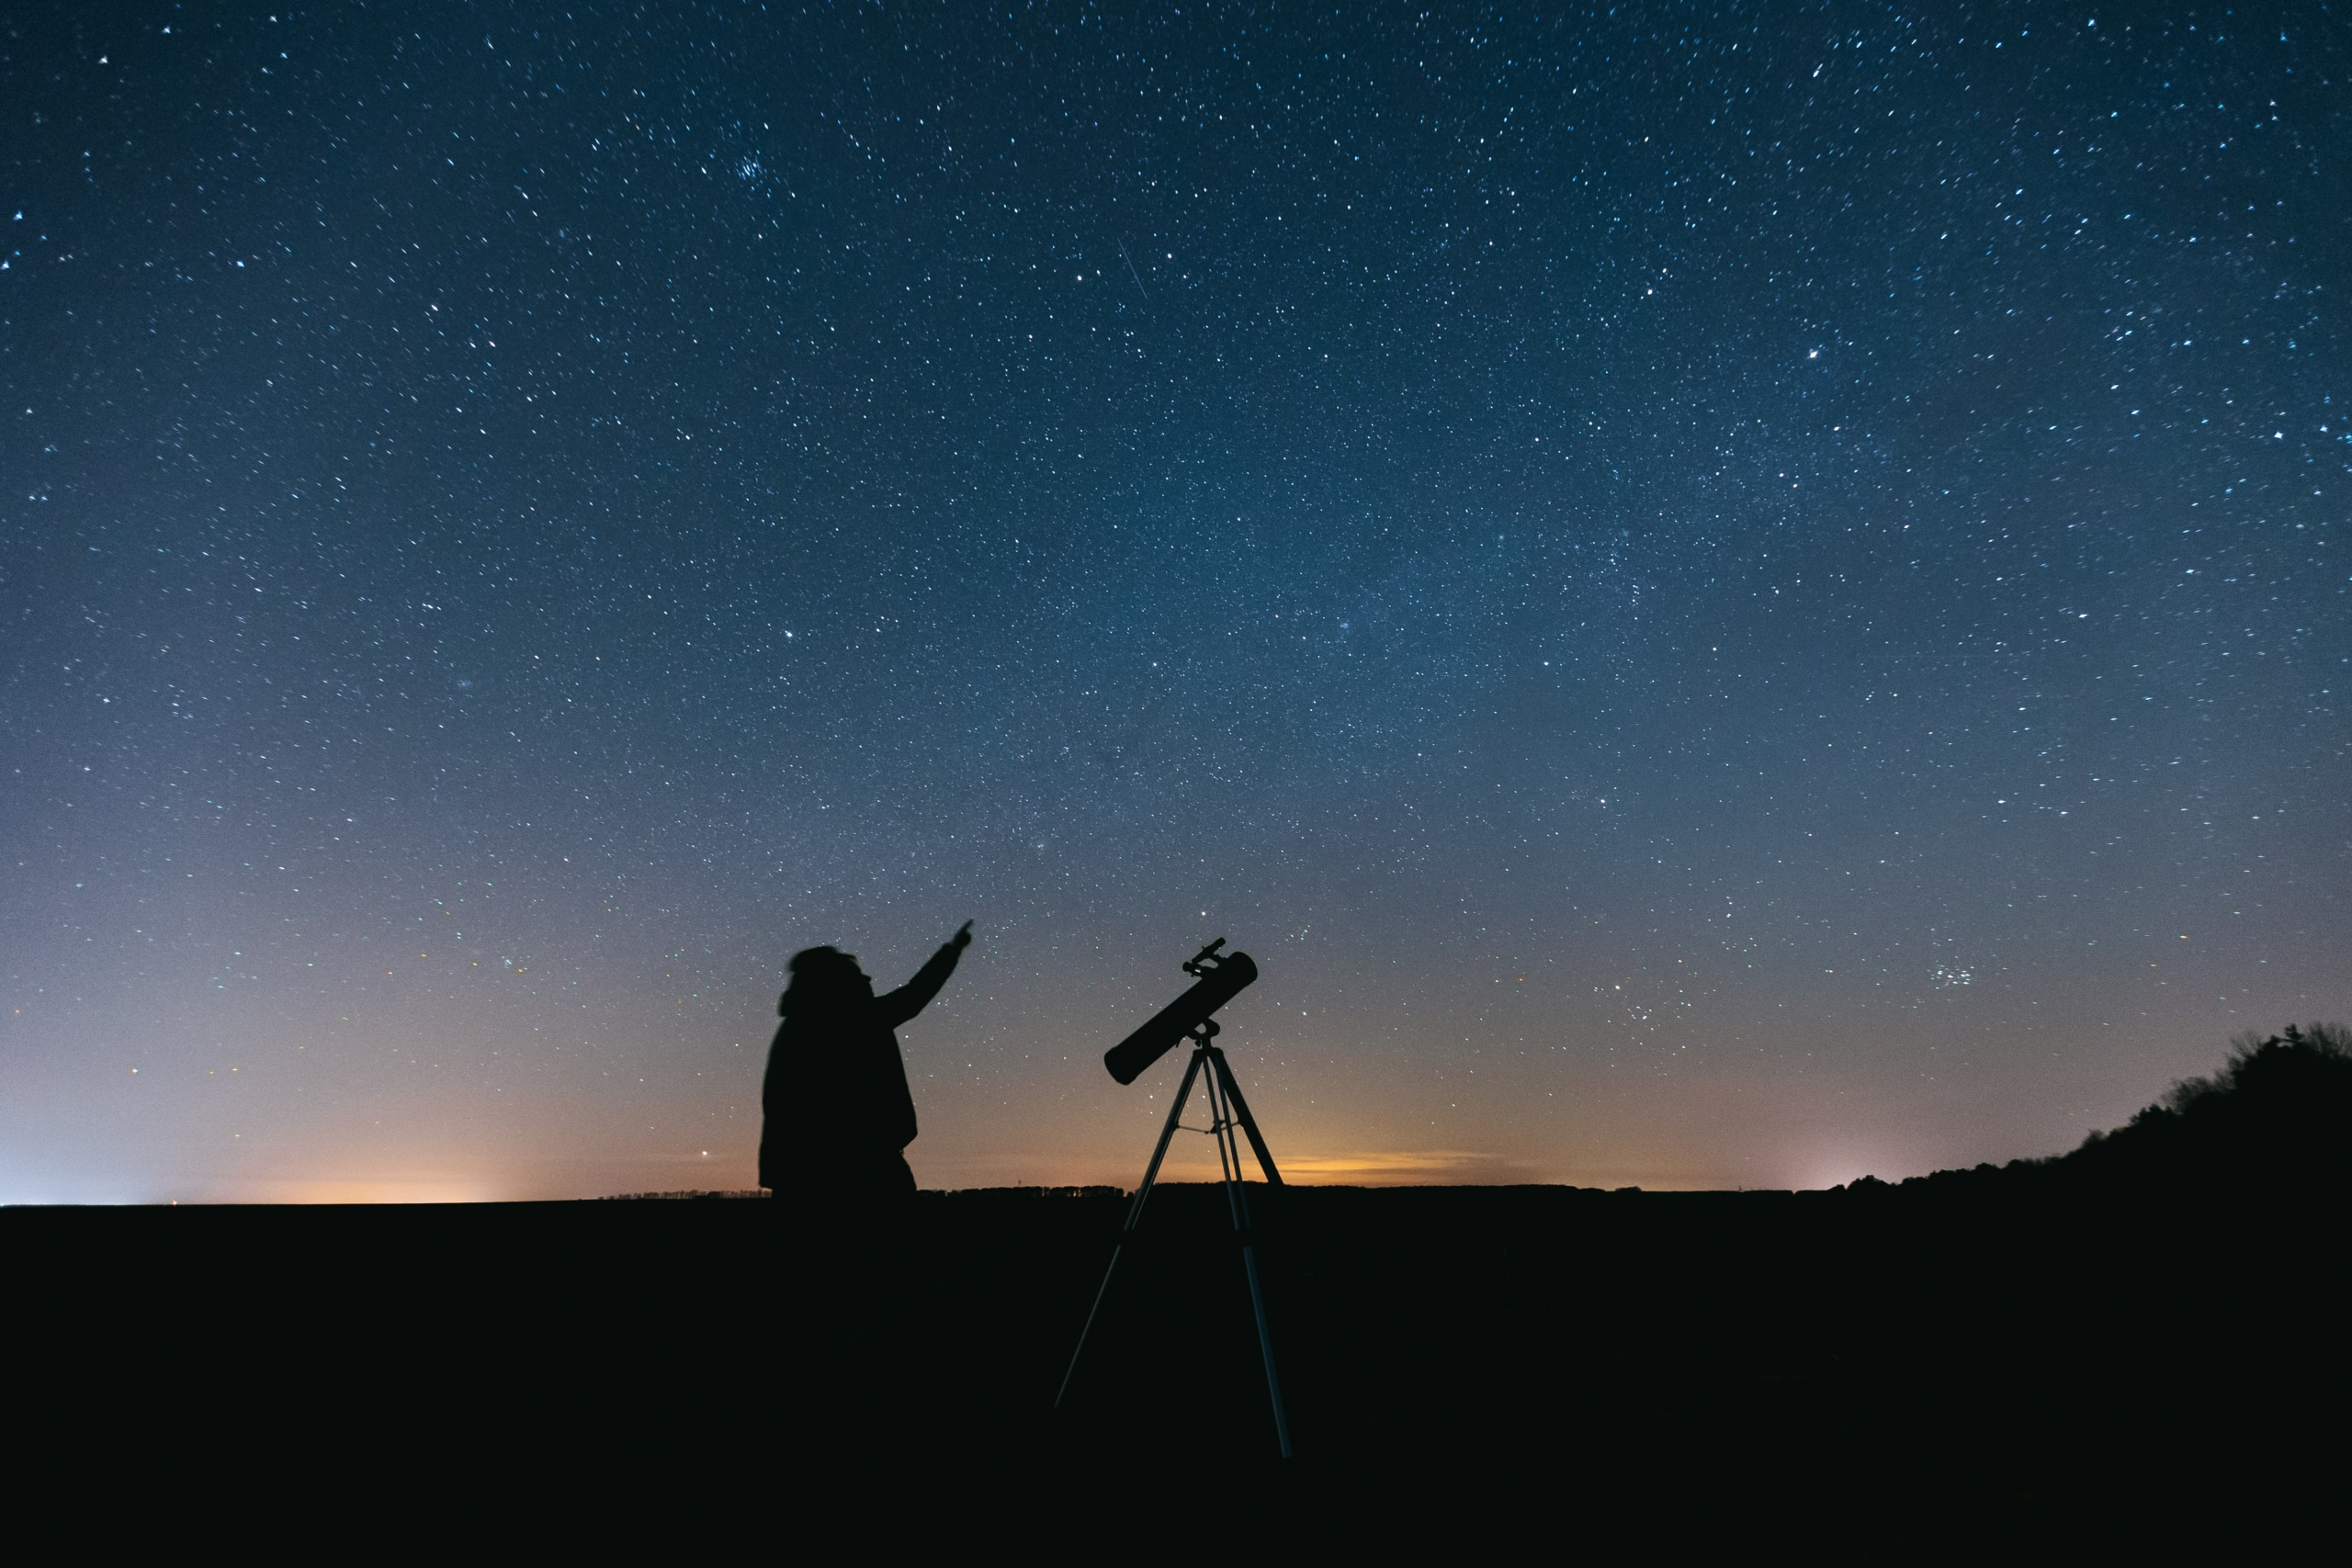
{"points": [[1720, 601]]}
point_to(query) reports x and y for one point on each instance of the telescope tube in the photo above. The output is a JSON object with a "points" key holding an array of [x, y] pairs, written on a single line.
{"points": [[1217, 987]]}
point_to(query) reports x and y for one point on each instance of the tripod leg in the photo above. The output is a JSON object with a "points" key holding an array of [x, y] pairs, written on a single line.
{"points": [[1225, 1096], [1228, 1151], [1166, 1135], [1135, 1218], [1248, 1122], [1266, 1349]]}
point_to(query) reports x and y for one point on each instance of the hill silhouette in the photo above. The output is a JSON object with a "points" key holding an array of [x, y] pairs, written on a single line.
{"points": [[2275, 1120]]}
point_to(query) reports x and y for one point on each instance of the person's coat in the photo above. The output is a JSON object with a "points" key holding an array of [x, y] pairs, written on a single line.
{"points": [[836, 1092]]}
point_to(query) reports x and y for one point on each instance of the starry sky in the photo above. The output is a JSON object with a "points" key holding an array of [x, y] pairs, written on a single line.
{"points": [[1721, 595]]}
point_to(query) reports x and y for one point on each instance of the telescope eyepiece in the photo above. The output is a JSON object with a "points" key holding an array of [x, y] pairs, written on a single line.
{"points": [[1204, 961]]}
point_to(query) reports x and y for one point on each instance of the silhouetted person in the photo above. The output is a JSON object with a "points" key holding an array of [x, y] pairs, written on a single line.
{"points": [[837, 1112]]}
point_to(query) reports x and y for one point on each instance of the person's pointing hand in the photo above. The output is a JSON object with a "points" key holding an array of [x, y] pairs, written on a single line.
{"points": [[962, 937]]}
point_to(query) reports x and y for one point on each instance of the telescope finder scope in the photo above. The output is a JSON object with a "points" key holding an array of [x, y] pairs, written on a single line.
{"points": [[1220, 981]]}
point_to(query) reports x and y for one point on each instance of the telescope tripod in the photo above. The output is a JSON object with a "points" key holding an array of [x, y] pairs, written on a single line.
{"points": [[1227, 1113]]}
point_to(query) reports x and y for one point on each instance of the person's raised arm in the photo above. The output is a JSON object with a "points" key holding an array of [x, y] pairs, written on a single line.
{"points": [[909, 998]]}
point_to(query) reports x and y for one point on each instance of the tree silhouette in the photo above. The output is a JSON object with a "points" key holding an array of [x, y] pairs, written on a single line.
{"points": [[2275, 1116]]}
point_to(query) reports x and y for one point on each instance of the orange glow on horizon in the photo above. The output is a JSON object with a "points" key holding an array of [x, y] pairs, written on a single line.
{"points": [[1418, 1167], [390, 1188]]}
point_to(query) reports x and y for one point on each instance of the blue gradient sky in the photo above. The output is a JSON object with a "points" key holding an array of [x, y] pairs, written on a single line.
{"points": [[1720, 596]]}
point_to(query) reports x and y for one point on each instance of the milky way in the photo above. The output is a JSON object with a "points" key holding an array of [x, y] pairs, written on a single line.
{"points": [[1720, 595]]}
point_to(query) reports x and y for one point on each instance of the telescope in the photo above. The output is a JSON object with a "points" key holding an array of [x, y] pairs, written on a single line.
{"points": [[1217, 980], [1220, 981]]}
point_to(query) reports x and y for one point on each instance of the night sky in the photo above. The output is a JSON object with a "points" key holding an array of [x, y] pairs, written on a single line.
{"points": [[1720, 595]]}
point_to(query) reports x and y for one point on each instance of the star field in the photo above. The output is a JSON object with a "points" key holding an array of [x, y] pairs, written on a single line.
{"points": [[1721, 595]]}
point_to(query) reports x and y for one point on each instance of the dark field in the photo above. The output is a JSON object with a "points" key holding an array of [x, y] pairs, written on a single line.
{"points": [[1892, 1373]]}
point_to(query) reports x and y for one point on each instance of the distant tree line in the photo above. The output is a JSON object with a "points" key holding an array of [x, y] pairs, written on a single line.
{"points": [[2277, 1116], [643, 1197]]}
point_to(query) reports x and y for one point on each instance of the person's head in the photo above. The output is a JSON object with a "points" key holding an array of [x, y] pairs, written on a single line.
{"points": [[823, 976]]}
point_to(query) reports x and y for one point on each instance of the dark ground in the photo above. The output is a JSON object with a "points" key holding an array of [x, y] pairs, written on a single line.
{"points": [[1502, 1369]]}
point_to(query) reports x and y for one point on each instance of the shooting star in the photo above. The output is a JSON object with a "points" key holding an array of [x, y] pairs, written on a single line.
{"points": [[1132, 272]]}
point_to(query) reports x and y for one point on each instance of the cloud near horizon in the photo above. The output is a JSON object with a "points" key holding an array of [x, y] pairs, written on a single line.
{"points": [[1407, 1166]]}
